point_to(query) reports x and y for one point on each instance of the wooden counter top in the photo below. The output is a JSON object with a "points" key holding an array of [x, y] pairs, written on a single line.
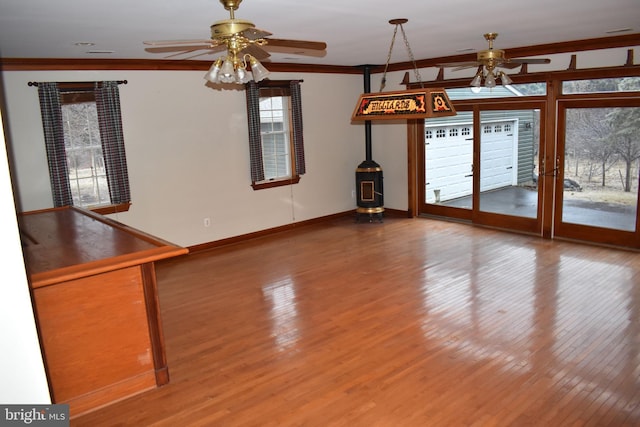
{"points": [[67, 243]]}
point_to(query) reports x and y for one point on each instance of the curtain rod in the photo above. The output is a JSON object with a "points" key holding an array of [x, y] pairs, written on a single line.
{"points": [[120, 82]]}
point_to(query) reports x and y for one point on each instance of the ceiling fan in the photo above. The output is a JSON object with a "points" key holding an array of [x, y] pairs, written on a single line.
{"points": [[245, 47], [489, 60]]}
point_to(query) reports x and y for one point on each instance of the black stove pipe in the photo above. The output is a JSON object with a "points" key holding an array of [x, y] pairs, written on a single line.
{"points": [[367, 123], [368, 173]]}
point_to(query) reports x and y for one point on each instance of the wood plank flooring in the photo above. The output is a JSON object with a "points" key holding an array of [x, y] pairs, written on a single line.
{"points": [[411, 322]]}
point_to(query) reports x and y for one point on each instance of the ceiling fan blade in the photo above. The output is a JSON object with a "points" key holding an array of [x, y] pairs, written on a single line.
{"points": [[530, 60], [297, 44], [295, 47], [255, 33], [181, 48], [465, 67], [510, 65], [459, 64], [182, 52], [257, 52], [196, 55], [177, 42]]}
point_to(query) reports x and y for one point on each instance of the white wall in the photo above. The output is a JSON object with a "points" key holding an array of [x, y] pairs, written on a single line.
{"points": [[22, 375], [188, 155]]}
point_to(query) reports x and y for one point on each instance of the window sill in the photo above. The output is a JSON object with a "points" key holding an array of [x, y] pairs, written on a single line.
{"points": [[275, 183], [111, 209]]}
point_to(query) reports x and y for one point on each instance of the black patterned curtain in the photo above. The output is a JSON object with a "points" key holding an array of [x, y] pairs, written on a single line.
{"points": [[49, 95], [112, 138], [253, 112], [255, 140], [296, 116]]}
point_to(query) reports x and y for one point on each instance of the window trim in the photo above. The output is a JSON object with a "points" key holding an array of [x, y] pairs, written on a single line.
{"points": [[110, 209], [275, 182]]}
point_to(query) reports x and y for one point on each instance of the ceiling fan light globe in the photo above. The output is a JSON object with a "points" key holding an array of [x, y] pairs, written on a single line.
{"points": [[477, 81], [505, 79], [248, 76], [227, 71], [490, 81], [212, 74], [241, 74], [258, 70]]}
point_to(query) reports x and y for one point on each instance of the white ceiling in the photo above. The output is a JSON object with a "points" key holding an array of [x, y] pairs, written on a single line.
{"points": [[356, 32]]}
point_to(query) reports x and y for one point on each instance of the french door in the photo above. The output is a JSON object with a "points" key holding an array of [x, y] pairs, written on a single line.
{"points": [[597, 169], [487, 166], [482, 165]]}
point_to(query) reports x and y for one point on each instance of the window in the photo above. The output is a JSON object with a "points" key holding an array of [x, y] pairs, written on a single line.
{"points": [[275, 133], [625, 84], [87, 172], [510, 91], [84, 144]]}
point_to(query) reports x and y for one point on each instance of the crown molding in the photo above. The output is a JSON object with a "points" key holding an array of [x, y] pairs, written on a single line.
{"points": [[73, 64], [628, 40]]}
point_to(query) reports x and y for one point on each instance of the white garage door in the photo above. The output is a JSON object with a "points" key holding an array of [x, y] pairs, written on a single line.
{"points": [[497, 155], [449, 159], [448, 162]]}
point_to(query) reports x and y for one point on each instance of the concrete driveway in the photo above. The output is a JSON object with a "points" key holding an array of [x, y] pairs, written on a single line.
{"points": [[521, 201]]}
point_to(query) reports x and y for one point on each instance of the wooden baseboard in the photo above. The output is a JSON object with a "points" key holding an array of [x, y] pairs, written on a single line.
{"points": [[97, 399], [396, 213], [243, 237]]}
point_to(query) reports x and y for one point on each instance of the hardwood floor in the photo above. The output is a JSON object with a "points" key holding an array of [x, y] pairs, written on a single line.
{"points": [[412, 322]]}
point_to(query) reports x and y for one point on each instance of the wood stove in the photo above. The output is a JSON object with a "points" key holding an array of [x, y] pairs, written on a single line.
{"points": [[369, 189]]}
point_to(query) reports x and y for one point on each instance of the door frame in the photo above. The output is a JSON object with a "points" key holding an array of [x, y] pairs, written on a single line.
{"points": [[416, 131]]}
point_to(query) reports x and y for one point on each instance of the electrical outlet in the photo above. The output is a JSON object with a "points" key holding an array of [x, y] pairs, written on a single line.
{"points": [[207, 222], [353, 194]]}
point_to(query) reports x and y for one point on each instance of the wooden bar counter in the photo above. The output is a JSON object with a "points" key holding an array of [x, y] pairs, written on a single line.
{"points": [[94, 290]]}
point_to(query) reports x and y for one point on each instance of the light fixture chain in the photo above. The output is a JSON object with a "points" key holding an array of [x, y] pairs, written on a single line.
{"points": [[415, 66], [383, 82]]}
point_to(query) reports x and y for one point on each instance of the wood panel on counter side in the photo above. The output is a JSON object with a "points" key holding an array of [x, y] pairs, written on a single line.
{"points": [[95, 295]]}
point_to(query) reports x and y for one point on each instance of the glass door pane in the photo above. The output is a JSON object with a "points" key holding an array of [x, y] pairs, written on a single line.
{"points": [[601, 162], [509, 147], [448, 159]]}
